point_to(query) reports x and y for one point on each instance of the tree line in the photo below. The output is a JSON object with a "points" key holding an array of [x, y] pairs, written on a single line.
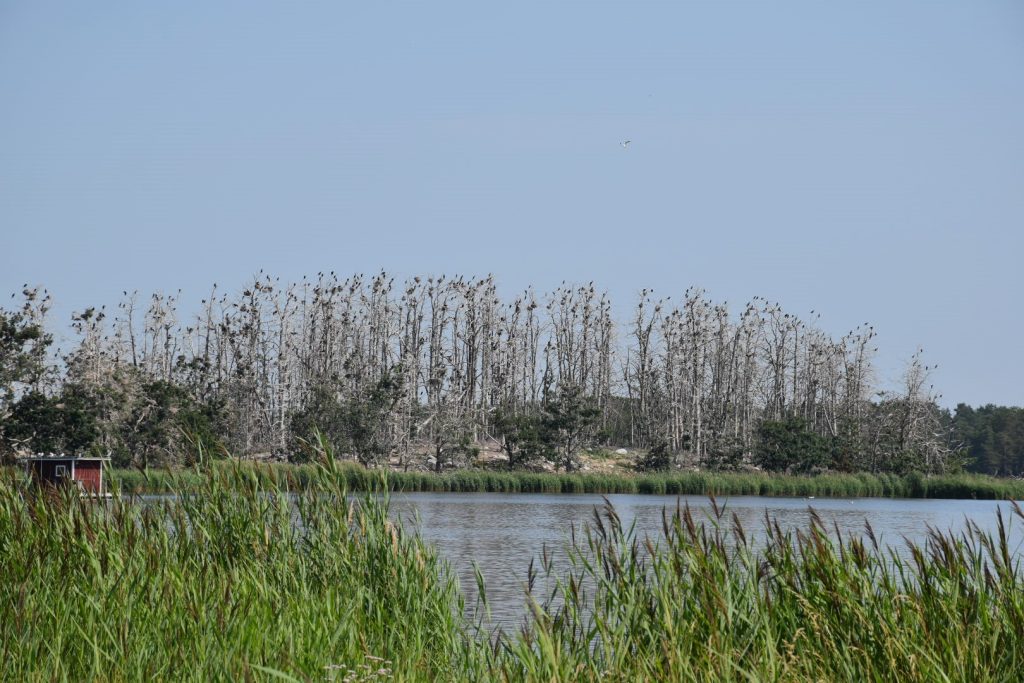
{"points": [[427, 370], [994, 437]]}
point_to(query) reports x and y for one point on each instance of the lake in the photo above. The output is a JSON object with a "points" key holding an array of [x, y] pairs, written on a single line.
{"points": [[502, 532]]}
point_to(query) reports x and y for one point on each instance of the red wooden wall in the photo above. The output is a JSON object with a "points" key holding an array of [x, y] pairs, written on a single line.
{"points": [[89, 472]]}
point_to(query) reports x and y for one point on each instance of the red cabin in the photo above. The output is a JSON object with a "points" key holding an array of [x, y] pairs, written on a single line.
{"points": [[83, 472]]}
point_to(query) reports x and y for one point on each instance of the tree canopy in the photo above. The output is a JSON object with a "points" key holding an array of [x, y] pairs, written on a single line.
{"points": [[437, 367]]}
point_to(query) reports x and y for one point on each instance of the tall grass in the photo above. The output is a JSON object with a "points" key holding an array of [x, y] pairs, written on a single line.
{"points": [[707, 602], [241, 578], [233, 580], [963, 486]]}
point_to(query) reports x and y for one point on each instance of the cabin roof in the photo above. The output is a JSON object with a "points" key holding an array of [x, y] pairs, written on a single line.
{"points": [[46, 457]]}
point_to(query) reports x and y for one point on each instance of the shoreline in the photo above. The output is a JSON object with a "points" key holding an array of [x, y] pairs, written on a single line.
{"points": [[358, 478]]}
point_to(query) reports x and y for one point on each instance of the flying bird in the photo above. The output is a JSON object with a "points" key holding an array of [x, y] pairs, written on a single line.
{"points": [[625, 143]]}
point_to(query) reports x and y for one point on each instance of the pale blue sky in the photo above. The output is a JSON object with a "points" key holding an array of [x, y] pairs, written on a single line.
{"points": [[864, 159]]}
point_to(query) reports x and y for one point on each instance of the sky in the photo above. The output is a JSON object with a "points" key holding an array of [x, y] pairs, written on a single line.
{"points": [[864, 160]]}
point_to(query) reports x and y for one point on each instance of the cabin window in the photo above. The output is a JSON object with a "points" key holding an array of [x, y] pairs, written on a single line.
{"points": [[60, 472]]}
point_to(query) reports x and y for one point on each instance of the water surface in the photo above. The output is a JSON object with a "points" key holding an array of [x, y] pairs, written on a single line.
{"points": [[502, 532]]}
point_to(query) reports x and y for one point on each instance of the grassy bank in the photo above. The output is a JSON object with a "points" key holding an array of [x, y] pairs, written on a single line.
{"points": [[232, 581], [962, 486]]}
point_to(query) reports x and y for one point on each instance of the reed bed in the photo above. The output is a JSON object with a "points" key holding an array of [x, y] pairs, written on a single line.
{"points": [[243, 578], [707, 602], [357, 478], [230, 580]]}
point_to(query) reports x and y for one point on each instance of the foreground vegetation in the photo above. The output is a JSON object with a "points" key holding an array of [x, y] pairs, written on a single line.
{"points": [[220, 585], [236, 581], [358, 478]]}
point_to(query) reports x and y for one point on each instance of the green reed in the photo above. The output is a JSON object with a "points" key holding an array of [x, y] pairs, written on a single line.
{"points": [[357, 478], [244, 576], [706, 601], [231, 580]]}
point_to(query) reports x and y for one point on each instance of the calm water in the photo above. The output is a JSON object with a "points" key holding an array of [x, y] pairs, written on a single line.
{"points": [[502, 532]]}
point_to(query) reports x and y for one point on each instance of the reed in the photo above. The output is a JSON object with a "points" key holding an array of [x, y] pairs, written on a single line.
{"points": [[706, 601], [357, 478], [243, 576], [231, 580]]}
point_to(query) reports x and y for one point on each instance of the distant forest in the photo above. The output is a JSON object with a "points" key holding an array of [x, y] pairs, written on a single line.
{"points": [[429, 369]]}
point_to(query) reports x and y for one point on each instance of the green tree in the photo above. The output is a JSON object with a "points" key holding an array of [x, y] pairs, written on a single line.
{"points": [[367, 420], [324, 412], [657, 458], [58, 424], [452, 441], [363, 424], [24, 345], [993, 436], [522, 436], [451, 435], [23, 351], [568, 418], [724, 452], [849, 451], [168, 426], [790, 445]]}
